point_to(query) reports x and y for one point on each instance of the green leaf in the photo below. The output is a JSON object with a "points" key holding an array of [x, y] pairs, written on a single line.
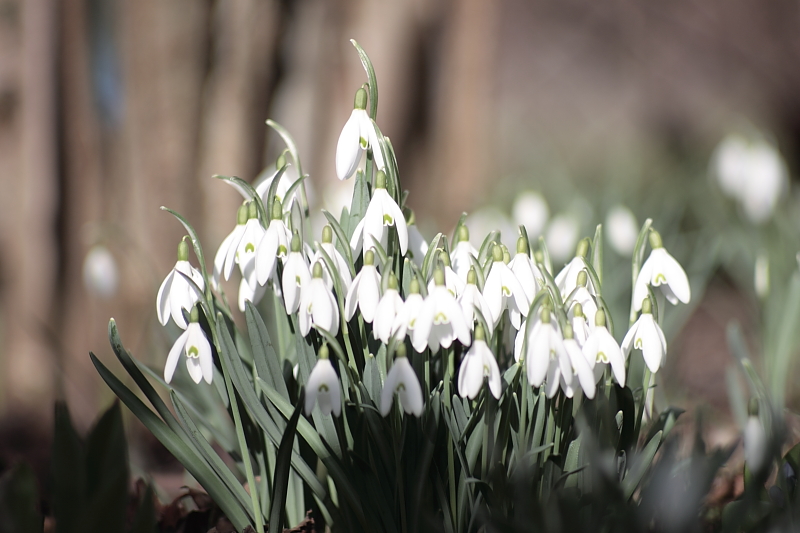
{"points": [[597, 254], [69, 474], [460, 223], [640, 467], [145, 519], [292, 146], [271, 192], [343, 242], [428, 259], [106, 474], [371, 79], [198, 248], [282, 464], [19, 501], [266, 360], [263, 213], [360, 201]]}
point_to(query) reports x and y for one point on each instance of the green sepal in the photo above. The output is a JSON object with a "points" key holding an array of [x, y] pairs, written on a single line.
{"points": [[292, 146]]}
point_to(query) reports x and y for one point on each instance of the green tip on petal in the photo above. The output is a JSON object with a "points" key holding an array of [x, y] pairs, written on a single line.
{"points": [[438, 277], [277, 209], [583, 248], [568, 334], [194, 315], [655, 239], [497, 253], [380, 180], [545, 314], [506, 254], [252, 210], [360, 101], [752, 407], [392, 281], [296, 247], [538, 255], [480, 335], [317, 270], [183, 251], [600, 318], [281, 161], [647, 305], [323, 351], [472, 277], [369, 258], [327, 234], [242, 214], [400, 351], [413, 287], [463, 233], [582, 278], [444, 257], [577, 310], [522, 245]]}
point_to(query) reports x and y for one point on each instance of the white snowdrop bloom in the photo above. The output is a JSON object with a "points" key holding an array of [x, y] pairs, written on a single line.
{"points": [[365, 292], [225, 258], [403, 381], [761, 275], [338, 260], [567, 279], [487, 219], [502, 290], [441, 320], [245, 253], [545, 347], [601, 347], [382, 212], [646, 335], [477, 364], [730, 165], [561, 236], [358, 134], [581, 295], [194, 344], [323, 386], [100, 272], [248, 293], [318, 305], [525, 270], [296, 276], [274, 245], [388, 308], [176, 293], [530, 210], [582, 370], [755, 440], [417, 245], [622, 230], [580, 326], [462, 251], [264, 182], [471, 299], [454, 283], [663, 271], [406, 318]]}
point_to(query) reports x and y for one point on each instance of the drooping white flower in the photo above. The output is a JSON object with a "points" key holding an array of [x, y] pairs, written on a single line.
{"points": [[100, 272], [274, 245], [477, 364], [264, 182], [472, 299], [296, 276], [663, 271], [530, 210], [358, 134], [194, 344], [622, 230], [441, 319], [545, 345], [561, 235], [245, 254], [323, 386], [248, 293], [580, 295], [452, 281], [403, 381], [580, 327], [365, 292], [582, 370], [417, 245], [406, 318], [176, 293], [225, 258], [601, 347], [338, 260], [525, 270], [755, 440], [503, 290], [388, 308], [646, 335], [567, 279], [318, 305], [382, 212], [462, 251]]}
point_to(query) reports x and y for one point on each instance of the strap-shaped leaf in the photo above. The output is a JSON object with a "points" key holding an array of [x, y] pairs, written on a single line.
{"points": [[198, 248], [597, 254], [264, 355], [343, 242], [639, 468], [263, 213], [282, 463], [292, 146], [372, 80]]}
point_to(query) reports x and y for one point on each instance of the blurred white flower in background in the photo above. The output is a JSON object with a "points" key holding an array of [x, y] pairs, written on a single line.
{"points": [[100, 273], [751, 172], [530, 210], [621, 230], [761, 275], [562, 236], [487, 219]]}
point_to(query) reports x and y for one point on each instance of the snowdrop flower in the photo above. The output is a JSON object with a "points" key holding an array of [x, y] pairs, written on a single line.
{"points": [[755, 440], [382, 211], [245, 253], [530, 210], [296, 276], [502, 291], [417, 245], [406, 317], [581, 295], [545, 347], [561, 236], [262, 187], [567, 279], [341, 264], [176, 293], [403, 381], [601, 347], [386, 312], [100, 273], [318, 305], [580, 327], [452, 281], [323, 386], [274, 244], [646, 335], [581, 368], [477, 364], [358, 134], [462, 252], [526, 272], [472, 299], [248, 293], [663, 271], [365, 292], [194, 344], [441, 320], [226, 254], [622, 230]]}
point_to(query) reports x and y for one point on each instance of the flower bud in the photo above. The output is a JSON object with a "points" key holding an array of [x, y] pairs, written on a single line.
{"points": [[600, 318], [369, 258], [497, 253], [323, 351], [360, 100], [522, 245], [472, 277], [183, 250], [327, 234], [655, 240], [317, 270], [277, 209]]}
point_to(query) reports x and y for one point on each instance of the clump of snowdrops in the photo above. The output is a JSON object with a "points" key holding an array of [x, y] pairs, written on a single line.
{"points": [[390, 383]]}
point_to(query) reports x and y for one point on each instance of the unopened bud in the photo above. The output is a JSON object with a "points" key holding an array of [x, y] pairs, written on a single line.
{"points": [[522, 245], [277, 209], [360, 101], [600, 318], [583, 248], [183, 250], [497, 253], [369, 258], [323, 351], [655, 240], [327, 234], [472, 277]]}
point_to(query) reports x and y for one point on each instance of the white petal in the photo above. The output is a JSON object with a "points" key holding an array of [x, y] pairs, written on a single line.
{"points": [[351, 300], [493, 294], [266, 255], [369, 293], [219, 258], [368, 128], [174, 355], [640, 288], [162, 300], [470, 376], [357, 240], [296, 276], [197, 340], [348, 149], [612, 351], [539, 357], [676, 278], [193, 366], [410, 393], [423, 325], [627, 342], [495, 385], [230, 257]]}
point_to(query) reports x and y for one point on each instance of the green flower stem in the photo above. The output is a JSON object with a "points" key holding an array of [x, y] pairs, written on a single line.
{"points": [[523, 413], [448, 402], [645, 385], [549, 432]]}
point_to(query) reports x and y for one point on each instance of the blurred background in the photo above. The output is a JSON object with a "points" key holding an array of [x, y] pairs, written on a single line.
{"points": [[110, 109]]}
